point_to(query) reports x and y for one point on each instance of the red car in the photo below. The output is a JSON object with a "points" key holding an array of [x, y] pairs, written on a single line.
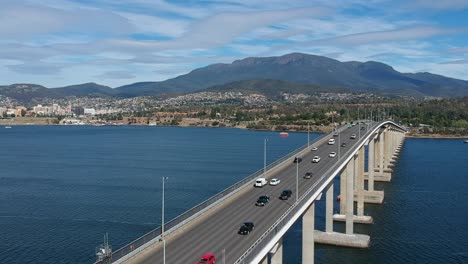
{"points": [[207, 259]]}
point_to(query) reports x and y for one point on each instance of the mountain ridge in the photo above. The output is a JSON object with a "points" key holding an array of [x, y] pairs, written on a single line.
{"points": [[298, 68]]}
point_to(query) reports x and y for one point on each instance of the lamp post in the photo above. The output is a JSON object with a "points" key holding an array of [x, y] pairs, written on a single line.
{"points": [[264, 156], [297, 180], [308, 138], [162, 222], [359, 125], [339, 144]]}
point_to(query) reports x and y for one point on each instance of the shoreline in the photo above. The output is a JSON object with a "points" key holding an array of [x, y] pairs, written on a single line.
{"points": [[245, 128], [437, 136]]}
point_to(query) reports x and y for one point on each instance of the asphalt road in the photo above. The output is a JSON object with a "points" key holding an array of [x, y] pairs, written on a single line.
{"points": [[218, 232]]}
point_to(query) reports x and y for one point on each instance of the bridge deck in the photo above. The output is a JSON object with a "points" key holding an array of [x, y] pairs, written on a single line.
{"points": [[217, 229]]}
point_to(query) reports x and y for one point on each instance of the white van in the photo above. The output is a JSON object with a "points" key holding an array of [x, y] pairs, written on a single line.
{"points": [[331, 141], [260, 182]]}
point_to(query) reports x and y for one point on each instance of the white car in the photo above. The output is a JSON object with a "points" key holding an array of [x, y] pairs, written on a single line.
{"points": [[316, 159], [314, 149], [274, 182], [331, 141], [332, 154], [353, 136], [260, 182]]}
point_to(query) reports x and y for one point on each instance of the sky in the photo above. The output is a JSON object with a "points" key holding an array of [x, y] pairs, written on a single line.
{"points": [[116, 42]]}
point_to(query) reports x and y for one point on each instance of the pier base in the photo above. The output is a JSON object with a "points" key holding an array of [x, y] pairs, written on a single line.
{"points": [[374, 197], [385, 177], [361, 219], [340, 239]]}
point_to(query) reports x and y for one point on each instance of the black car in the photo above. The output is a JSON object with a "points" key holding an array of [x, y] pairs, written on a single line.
{"points": [[297, 160], [285, 194], [262, 200], [343, 144], [362, 128], [308, 175], [246, 228]]}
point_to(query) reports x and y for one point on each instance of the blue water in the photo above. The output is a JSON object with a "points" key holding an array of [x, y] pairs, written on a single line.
{"points": [[62, 188], [423, 218]]}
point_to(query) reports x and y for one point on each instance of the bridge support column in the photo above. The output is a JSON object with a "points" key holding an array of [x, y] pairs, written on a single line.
{"points": [[382, 174], [276, 253], [343, 192], [308, 227], [355, 193], [360, 182], [349, 239], [329, 209], [371, 195]]}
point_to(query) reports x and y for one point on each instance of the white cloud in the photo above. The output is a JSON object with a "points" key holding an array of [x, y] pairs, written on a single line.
{"points": [[36, 68], [459, 50], [440, 5], [115, 75], [455, 62], [402, 34], [162, 26], [220, 29], [23, 22]]}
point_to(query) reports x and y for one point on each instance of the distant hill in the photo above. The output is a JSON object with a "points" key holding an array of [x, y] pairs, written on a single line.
{"points": [[273, 88], [27, 92], [307, 69], [85, 89]]}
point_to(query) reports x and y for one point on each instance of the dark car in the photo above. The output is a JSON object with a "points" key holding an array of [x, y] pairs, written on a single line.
{"points": [[285, 194], [362, 128], [262, 200], [308, 175], [297, 160], [343, 144], [207, 259], [246, 228]]}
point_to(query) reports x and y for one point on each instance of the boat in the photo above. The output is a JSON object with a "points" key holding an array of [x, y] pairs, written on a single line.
{"points": [[283, 134], [10, 127], [466, 141]]}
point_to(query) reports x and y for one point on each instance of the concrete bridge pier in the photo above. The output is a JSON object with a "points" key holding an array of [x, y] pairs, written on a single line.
{"points": [[357, 191], [371, 195], [308, 234], [276, 253], [382, 172], [349, 239]]}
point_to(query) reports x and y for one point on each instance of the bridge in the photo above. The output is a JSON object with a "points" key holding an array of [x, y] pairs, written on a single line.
{"points": [[212, 226]]}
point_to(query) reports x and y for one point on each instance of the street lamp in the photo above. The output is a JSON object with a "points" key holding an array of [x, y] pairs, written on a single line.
{"points": [[297, 180], [308, 138], [339, 143], [162, 222], [264, 156], [359, 125]]}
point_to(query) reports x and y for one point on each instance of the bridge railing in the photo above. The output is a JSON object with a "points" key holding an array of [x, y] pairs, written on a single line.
{"points": [[142, 242], [285, 219]]}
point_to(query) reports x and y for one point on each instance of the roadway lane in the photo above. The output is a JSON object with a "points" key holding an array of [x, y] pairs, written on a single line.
{"points": [[218, 230]]}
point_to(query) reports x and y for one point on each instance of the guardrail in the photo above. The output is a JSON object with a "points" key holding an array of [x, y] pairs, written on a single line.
{"points": [[149, 238], [271, 232]]}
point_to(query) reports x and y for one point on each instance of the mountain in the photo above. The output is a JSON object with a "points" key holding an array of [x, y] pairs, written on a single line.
{"points": [[27, 92], [302, 68], [272, 88], [24, 92], [85, 89]]}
